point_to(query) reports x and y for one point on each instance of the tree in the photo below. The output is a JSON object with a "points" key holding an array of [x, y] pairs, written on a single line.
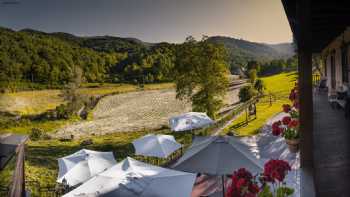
{"points": [[70, 92], [253, 65], [201, 74], [259, 86], [246, 93], [252, 75]]}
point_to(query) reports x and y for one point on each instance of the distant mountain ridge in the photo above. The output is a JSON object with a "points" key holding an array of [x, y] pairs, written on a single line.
{"points": [[239, 49], [135, 51], [242, 51]]}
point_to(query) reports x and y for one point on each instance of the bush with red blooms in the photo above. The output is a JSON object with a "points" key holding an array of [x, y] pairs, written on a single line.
{"points": [[243, 184]]}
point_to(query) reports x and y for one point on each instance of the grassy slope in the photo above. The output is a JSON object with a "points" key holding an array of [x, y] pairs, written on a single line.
{"points": [[36, 102], [41, 156], [280, 85]]}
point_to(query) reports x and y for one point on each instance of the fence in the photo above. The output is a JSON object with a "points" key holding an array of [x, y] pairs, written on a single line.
{"points": [[18, 183]]}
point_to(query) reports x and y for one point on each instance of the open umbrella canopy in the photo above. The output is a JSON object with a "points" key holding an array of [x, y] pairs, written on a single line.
{"points": [[189, 121], [156, 145], [131, 178], [216, 155], [82, 165]]}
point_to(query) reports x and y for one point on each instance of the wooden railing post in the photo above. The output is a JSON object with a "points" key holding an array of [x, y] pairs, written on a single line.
{"points": [[18, 182]]}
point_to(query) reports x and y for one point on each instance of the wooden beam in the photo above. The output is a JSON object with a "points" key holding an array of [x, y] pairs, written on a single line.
{"points": [[305, 82], [305, 92]]}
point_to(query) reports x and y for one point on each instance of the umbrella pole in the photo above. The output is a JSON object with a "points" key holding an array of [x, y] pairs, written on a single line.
{"points": [[223, 185]]}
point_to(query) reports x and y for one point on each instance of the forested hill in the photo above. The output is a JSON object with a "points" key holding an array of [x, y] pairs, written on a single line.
{"points": [[242, 51], [52, 58]]}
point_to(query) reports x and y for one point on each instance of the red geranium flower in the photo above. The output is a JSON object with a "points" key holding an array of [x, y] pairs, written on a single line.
{"points": [[296, 104], [276, 170], [286, 120], [276, 128], [286, 108], [293, 124], [242, 185]]}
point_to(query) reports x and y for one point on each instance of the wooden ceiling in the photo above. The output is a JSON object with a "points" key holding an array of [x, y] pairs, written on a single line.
{"points": [[329, 18]]}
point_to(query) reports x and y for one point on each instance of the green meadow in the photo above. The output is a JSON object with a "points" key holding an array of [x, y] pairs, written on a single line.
{"points": [[277, 85]]}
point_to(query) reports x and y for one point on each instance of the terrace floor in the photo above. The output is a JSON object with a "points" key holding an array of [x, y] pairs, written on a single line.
{"points": [[331, 149]]}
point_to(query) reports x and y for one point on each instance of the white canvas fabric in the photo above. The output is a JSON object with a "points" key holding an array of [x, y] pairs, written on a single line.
{"points": [[131, 178], [189, 121], [216, 155], [82, 165], [156, 145]]}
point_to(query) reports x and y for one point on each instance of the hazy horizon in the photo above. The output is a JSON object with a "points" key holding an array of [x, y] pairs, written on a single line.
{"points": [[152, 21]]}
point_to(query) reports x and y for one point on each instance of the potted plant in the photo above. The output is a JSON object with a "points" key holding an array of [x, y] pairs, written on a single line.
{"points": [[291, 135]]}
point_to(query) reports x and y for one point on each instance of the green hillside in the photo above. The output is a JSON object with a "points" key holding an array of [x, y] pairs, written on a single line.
{"points": [[50, 59], [242, 51]]}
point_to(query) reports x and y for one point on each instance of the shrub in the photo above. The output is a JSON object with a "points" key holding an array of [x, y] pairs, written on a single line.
{"points": [[246, 93], [252, 75], [62, 112], [259, 86], [38, 134]]}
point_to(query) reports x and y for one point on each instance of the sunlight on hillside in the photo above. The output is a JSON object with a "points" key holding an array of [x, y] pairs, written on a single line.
{"points": [[280, 85], [39, 101]]}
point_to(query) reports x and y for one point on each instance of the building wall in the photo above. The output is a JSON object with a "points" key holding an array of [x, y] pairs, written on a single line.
{"points": [[334, 48]]}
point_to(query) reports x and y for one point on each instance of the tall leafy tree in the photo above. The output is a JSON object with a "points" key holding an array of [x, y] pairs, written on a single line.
{"points": [[201, 74]]}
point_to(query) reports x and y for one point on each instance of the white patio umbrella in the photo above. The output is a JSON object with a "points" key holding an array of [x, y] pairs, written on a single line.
{"points": [[156, 145], [190, 121], [131, 178], [82, 165], [216, 155]]}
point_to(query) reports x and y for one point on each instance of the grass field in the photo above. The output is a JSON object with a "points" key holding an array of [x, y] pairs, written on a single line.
{"points": [[36, 102], [39, 101], [41, 156], [279, 85]]}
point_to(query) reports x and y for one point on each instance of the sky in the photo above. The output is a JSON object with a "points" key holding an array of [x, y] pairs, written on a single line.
{"points": [[152, 20]]}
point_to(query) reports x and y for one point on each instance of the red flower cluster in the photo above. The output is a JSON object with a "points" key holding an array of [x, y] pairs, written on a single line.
{"points": [[275, 170], [286, 120], [276, 128], [293, 123], [296, 104], [286, 108], [242, 185], [294, 96]]}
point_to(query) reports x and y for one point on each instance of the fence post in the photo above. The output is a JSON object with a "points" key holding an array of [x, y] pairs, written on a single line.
{"points": [[270, 100]]}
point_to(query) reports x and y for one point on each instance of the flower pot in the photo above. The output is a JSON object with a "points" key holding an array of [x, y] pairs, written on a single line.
{"points": [[293, 145]]}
